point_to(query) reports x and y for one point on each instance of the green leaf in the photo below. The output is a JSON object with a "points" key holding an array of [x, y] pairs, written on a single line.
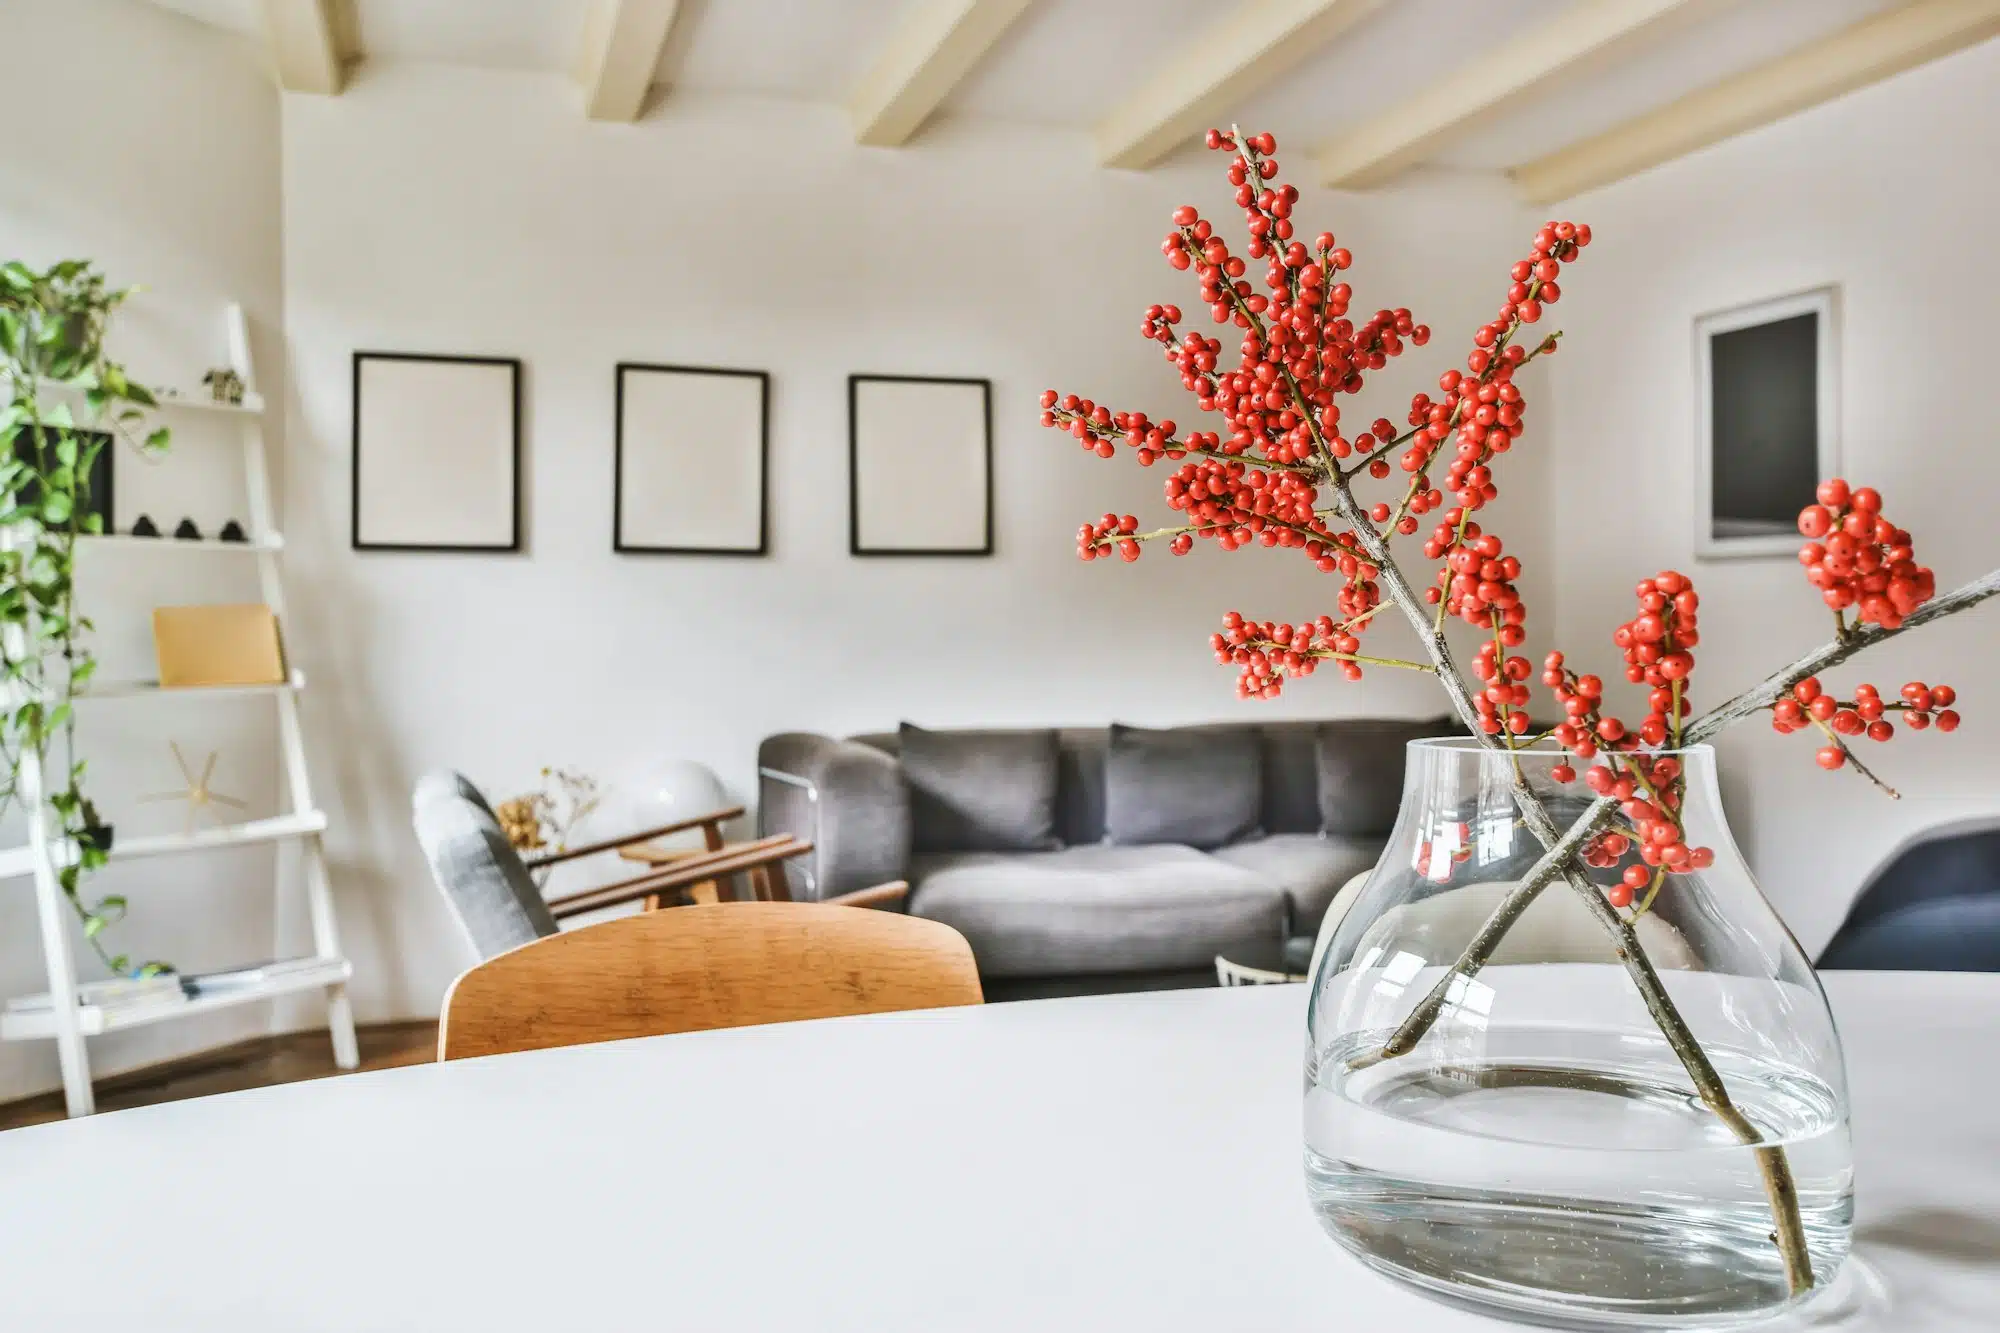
{"points": [[157, 441], [93, 926], [93, 523], [56, 508], [59, 416]]}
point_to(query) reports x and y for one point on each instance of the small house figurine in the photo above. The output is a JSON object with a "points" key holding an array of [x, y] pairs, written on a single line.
{"points": [[224, 385]]}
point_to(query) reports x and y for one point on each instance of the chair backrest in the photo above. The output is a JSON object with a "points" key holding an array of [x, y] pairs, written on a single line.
{"points": [[1933, 906], [478, 870], [693, 968]]}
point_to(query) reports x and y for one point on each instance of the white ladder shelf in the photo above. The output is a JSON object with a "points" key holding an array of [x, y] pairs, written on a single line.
{"points": [[68, 1022]]}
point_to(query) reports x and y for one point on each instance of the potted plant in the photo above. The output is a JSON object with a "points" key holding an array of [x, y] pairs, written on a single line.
{"points": [[64, 399]]}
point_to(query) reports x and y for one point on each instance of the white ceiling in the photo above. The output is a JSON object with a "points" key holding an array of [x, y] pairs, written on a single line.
{"points": [[1067, 62]]}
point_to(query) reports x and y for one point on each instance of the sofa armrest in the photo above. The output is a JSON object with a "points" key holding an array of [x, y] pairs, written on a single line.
{"points": [[847, 799]]}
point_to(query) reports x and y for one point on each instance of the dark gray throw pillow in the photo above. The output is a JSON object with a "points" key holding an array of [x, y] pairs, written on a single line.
{"points": [[1201, 788], [980, 791], [1361, 770]]}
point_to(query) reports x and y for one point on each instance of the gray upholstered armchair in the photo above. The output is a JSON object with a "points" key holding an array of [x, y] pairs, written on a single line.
{"points": [[493, 894]]}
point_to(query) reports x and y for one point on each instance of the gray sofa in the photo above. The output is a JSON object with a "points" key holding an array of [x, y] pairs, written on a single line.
{"points": [[1097, 858]]}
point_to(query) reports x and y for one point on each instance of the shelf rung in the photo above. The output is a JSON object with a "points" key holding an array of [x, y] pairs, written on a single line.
{"points": [[166, 399], [144, 689], [93, 1020], [126, 541], [18, 861]]}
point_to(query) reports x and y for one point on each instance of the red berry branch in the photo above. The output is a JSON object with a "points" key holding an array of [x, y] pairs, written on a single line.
{"points": [[1279, 470]]}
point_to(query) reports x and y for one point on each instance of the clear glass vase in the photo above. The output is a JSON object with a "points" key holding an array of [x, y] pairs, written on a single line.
{"points": [[1622, 1115]]}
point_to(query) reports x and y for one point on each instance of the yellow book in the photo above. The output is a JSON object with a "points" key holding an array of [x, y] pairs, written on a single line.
{"points": [[218, 645]]}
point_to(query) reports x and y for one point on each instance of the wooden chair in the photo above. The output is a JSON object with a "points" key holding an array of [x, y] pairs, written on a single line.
{"points": [[701, 967]]}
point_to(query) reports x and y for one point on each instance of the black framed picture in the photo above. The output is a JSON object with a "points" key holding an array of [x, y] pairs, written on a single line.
{"points": [[692, 458], [437, 452], [1767, 421], [920, 465]]}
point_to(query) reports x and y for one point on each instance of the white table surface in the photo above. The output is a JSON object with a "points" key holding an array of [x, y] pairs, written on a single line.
{"points": [[1118, 1162]]}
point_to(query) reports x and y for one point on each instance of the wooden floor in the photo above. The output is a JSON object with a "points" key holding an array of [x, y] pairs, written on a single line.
{"points": [[256, 1063]]}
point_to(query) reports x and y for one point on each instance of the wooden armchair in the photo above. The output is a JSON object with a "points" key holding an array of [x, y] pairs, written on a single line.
{"points": [[489, 889]]}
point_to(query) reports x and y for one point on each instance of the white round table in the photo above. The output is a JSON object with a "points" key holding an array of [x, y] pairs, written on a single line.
{"points": [[1118, 1162]]}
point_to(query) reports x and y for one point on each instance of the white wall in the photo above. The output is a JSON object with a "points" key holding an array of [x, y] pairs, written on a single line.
{"points": [[443, 210], [1890, 193], [150, 144]]}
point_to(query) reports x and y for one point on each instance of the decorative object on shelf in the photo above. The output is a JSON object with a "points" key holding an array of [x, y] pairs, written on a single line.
{"points": [[145, 527], [437, 452], [545, 819], [232, 531], [187, 531], [676, 422], [52, 326], [920, 465], [1767, 420], [218, 645], [1621, 1103], [224, 385], [93, 494], [200, 797]]}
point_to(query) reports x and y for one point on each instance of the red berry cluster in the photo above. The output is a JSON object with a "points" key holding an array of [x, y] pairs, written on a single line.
{"points": [[1866, 714], [1858, 558], [1244, 504], [1583, 724], [1656, 644], [1260, 477], [1112, 531], [1477, 581], [1268, 651], [1503, 702], [1650, 791]]}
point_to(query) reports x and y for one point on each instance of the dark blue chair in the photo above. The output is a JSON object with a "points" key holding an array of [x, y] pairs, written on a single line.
{"points": [[1933, 907]]}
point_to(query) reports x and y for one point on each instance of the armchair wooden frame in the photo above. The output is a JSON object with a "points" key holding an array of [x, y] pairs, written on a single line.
{"points": [[678, 870]]}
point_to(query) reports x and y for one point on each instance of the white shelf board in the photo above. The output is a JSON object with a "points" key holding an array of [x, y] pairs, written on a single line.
{"points": [[18, 861], [252, 404], [152, 689], [93, 1021], [166, 399], [126, 541]]}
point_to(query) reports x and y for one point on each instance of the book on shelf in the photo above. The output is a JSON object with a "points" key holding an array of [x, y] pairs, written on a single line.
{"points": [[112, 993], [249, 975]]}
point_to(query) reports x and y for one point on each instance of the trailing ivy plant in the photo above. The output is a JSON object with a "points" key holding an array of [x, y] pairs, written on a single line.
{"points": [[65, 401]]}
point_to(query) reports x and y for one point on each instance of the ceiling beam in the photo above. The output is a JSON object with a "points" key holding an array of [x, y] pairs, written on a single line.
{"points": [[929, 55], [1586, 37], [311, 43], [622, 41], [1258, 41], [1888, 43]]}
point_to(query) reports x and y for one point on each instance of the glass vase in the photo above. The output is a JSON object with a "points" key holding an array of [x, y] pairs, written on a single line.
{"points": [[1622, 1113]]}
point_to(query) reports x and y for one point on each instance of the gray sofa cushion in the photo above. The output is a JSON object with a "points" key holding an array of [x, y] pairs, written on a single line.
{"points": [[1361, 770], [980, 791], [1308, 867], [1101, 909], [1198, 788]]}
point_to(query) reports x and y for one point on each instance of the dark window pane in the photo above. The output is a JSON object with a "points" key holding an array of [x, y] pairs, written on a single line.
{"points": [[1765, 428]]}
